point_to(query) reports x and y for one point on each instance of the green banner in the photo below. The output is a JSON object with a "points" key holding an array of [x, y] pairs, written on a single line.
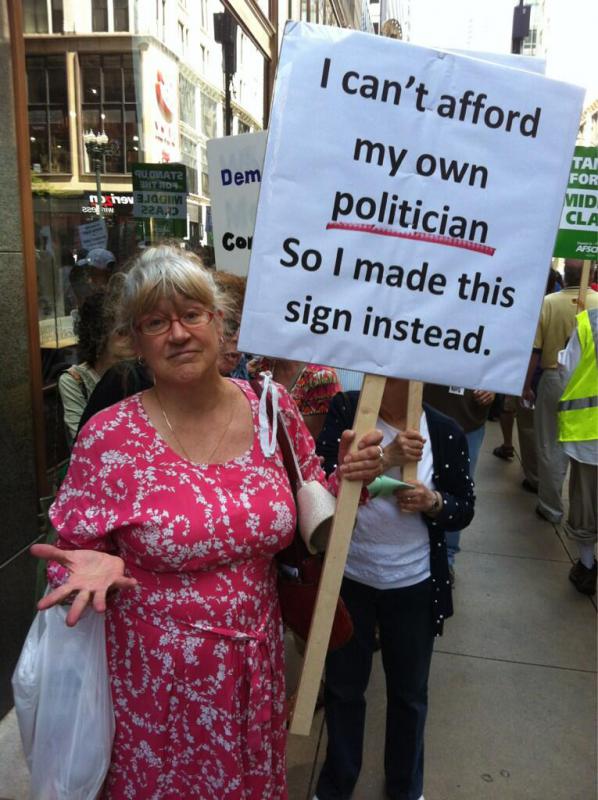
{"points": [[578, 232]]}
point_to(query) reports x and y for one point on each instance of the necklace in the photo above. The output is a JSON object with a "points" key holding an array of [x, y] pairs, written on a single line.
{"points": [[178, 441]]}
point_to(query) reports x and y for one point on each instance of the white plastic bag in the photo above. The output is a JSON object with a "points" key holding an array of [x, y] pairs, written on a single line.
{"points": [[64, 706]]}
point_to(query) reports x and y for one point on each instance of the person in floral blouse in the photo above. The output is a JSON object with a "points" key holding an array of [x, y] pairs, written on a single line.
{"points": [[168, 521], [311, 386]]}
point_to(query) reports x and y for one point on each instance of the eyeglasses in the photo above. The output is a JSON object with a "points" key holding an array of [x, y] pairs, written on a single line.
{"points": [[157, 324]]}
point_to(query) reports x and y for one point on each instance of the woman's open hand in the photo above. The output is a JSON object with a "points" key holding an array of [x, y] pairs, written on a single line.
{"points": [[92, 575], [417, 500], [365, 462]]}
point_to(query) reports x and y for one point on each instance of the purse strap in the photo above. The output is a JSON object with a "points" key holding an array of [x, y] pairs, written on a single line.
{"points": [[289, 458]]}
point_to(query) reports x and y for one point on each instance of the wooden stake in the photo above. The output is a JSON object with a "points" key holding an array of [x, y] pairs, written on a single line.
{"points": [[334, 567], [583, 287], [414, 411]]}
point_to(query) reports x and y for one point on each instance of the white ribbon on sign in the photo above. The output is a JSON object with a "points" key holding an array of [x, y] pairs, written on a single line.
{"points": [[267, 436]]}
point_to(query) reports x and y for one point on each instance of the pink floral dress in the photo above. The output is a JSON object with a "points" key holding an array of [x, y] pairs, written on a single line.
{"points": [[195, 652]]}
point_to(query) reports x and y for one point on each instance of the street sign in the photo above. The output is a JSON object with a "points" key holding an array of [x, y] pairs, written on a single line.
{"points": [[578, 231]]}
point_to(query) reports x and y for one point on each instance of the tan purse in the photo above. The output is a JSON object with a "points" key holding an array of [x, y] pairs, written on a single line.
{"points": [[299, 564]]}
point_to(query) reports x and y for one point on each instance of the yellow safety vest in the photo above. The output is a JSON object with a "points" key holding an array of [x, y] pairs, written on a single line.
{"points": [[578, 407]]}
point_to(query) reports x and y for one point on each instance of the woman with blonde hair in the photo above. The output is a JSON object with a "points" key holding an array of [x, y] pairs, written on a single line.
{"points": [[174, 495]]}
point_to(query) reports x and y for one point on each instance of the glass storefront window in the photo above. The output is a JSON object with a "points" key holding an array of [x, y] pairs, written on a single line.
{"points": [[157, 102], [48, 114]]}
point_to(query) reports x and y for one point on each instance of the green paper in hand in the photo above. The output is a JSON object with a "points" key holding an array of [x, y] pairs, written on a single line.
{"points": [[383, 486]]}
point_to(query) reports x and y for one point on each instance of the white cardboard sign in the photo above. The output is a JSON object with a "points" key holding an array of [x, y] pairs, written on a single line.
{"points": [[235, 166], [93, 234], [409, 204]]}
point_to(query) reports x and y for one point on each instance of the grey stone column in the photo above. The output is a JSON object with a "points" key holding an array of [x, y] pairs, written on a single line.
{"points": [[18, 491]]}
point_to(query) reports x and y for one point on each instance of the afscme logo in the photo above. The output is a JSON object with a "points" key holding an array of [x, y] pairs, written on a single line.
{"points": [[587, 248]]}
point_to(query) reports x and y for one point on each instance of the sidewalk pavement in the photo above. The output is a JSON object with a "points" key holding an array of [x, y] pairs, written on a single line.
{"points": [[513, 685]]}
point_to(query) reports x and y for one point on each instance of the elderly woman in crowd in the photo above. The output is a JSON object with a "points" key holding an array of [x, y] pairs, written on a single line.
{"points": [[397, 578], [170, 496]]}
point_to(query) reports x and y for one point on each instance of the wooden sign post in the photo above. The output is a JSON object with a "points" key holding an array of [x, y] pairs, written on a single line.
{"points": [[338, 549], [414, 410], [583, 287], [334, 567]]}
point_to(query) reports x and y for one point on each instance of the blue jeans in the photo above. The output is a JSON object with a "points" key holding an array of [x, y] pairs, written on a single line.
{"points": [[474, 443], [405, 620]]}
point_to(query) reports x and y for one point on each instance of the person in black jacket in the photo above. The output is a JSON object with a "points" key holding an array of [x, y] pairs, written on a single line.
{"points": [[396, 578]]}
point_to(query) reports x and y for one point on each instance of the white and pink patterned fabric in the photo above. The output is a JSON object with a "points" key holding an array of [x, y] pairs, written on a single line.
{"points": [[195, 651]]}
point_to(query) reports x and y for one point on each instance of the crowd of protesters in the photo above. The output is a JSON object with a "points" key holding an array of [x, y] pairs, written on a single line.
{"points": [[162, 400]]}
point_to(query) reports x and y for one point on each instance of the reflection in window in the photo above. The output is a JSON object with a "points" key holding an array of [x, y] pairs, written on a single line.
{"points": [[48, 114], [108, 103], [189, 159], [209, 110]]}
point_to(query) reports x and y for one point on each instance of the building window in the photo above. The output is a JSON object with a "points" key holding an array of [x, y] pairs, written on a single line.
{"points": [[209, 110], [205, 182], [48, 114], [203, 14], [189, 159], [187, 101], [38, 13], [57, 16], [108, 103], [243, 127], [101, 13], [35, 16], [99, 16], [121, 15]]}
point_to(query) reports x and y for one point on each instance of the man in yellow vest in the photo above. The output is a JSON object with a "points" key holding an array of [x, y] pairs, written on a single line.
{"points": [[555, 326], [578, 432]]}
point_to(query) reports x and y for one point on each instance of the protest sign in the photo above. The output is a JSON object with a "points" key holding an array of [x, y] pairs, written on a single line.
{"points": [[159, 191], [407, 210], [160, 196], [235, 166], [93, 234], [578, 232]]}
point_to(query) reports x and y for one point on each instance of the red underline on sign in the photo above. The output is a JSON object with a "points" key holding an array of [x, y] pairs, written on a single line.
{"points": [[448, 241]]}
